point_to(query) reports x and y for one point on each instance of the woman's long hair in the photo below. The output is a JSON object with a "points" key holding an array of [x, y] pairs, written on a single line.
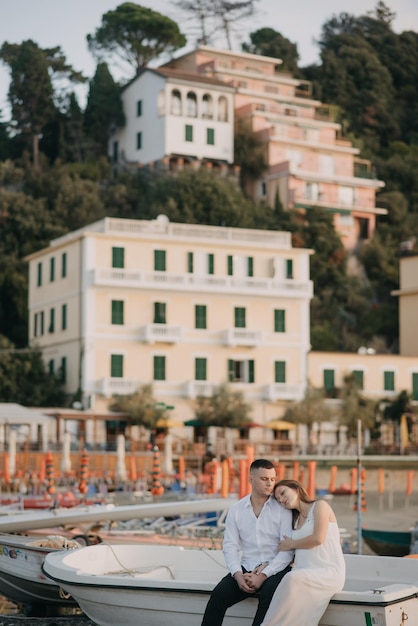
{"points": [[301, 492]]}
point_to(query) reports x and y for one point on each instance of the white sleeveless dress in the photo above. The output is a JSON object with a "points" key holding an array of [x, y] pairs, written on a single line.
{"points": [[304, 593]]}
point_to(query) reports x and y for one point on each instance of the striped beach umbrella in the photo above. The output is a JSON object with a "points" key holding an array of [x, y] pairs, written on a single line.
{"points": [[84, 472], [50, 473], [157, 488]]}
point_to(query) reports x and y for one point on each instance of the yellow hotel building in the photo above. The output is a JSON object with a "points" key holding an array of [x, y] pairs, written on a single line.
{"points": [[184, 307]]}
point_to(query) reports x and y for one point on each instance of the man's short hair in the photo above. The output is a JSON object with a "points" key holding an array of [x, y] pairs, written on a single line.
{"points": [[261, 464]]}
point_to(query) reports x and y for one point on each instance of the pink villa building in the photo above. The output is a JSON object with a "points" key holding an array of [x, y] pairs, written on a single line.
{"points": [[309, 164]]}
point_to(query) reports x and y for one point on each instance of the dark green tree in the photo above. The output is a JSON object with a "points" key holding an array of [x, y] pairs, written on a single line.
{"points": [[136, 35], [141, 407], [24, 379], [225, 408], [104, 109], [268, 42], [31, 92]]}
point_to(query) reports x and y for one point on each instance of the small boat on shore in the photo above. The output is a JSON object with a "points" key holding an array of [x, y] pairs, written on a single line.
{"points": [[21, 577], [159, 585], [388, 542]]}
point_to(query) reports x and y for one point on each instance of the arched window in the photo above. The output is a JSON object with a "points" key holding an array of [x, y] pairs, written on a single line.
{"points": [[175, 102], [223, 109], [191, 104], [207, 106]]}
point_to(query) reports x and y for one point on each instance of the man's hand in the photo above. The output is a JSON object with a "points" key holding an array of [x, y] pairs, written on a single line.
{"points": [[241, 580], [254, 580]]}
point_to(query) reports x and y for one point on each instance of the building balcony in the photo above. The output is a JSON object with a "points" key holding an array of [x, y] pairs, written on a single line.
{"points": [[166, 333], [195, 388], [283, 391], [242, 337], [117, 386], [206, 283]]}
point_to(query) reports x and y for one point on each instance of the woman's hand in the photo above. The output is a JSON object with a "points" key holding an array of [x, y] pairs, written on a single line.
{"points": [[286, 544]]}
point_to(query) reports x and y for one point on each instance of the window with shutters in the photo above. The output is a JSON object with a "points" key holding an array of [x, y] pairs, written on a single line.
{"points": [[279, 321], [279, 371], [159, 260], [159, 367], [241, 371], [239, 317], [117, 312], [200, 316], [160, 313], [118, 257], [200, 368], [116, 365]]}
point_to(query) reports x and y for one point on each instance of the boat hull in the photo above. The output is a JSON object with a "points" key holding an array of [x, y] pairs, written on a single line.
{"points": [[157, 585], [387, 542], [21, 576]]}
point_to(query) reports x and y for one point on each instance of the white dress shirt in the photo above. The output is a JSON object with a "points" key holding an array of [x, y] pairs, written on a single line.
{"points": [[250, 540]]}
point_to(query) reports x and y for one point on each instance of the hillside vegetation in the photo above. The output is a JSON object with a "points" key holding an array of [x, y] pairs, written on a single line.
{"points": [[55, 176]]}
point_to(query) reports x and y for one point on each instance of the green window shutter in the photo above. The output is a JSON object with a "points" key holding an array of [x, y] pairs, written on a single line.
{"points": [[39, 275], [64, 265], [188, 132], [200, 369], [64, 369], [64, 317], [51, 328], [42, 323], [289, 268], [35, 325], [200, 316], [231, 370], [414, 386], [159, 260], [251, 371], [279, 320], [139, 141], [230, 262], [211, 263], [210, 136], [279, 371], [359, 378], [139, 108], [159, 367], [160, 313], [51, 367], [329, 380], [116, 365], [250, 267], [239, 317], [389, 381], [52, 270], [117, 312], [118, 257], [190, 262]]}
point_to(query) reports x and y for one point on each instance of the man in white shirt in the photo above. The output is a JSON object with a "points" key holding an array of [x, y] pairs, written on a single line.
{"points": [[254, 526]]}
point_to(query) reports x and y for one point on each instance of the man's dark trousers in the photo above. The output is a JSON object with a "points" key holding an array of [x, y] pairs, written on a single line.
{"points": [[227, 593]]}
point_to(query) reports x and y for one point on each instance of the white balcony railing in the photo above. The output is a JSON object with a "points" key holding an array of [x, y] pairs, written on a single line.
{"points": [[283, 391], [117, 386], [153, 333], [194, 388], [242, 337], [207, 283]]}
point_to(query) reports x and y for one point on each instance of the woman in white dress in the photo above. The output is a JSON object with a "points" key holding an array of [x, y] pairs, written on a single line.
{"points": [[319, 567]]}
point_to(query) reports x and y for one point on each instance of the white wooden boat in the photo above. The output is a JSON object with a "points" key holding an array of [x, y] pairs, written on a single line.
{"points": [[160, 585], [21, 578]]}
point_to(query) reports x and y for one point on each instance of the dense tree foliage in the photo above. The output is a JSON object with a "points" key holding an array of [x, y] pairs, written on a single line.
{"points": [[225, 408], [268, 42], [24, 379], [104, 109], [136, 35]]}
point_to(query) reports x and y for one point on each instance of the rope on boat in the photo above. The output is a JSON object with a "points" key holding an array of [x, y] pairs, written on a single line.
{"points": [[142, 570]]}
